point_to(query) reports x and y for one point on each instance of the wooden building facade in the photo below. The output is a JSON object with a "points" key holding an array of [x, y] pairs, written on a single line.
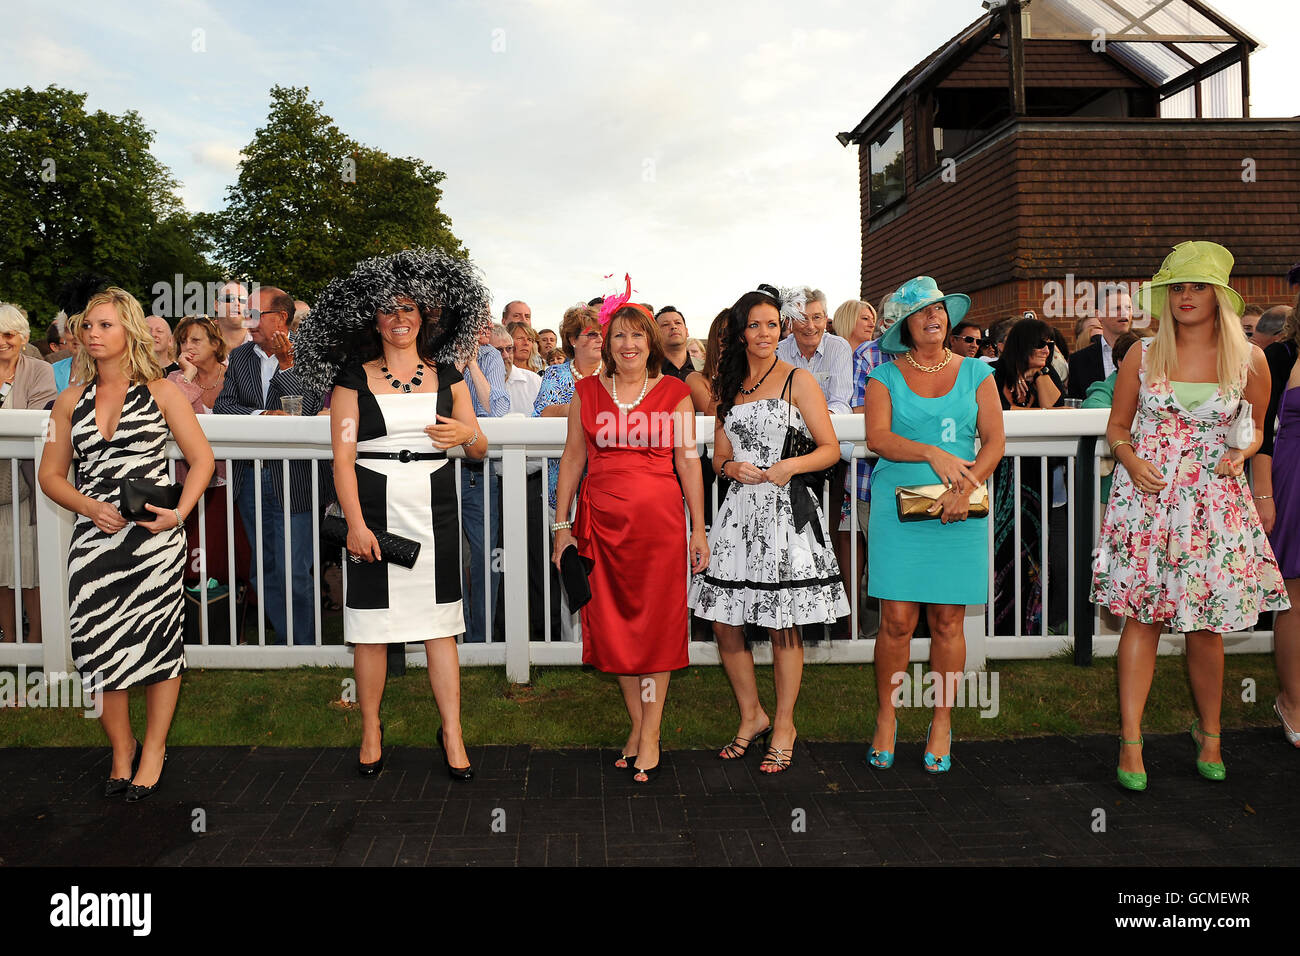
{"points": [[1033, 158]]}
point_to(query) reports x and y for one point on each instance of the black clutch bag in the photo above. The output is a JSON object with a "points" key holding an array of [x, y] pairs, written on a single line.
{"points": [[573, 575], [400, 551], [135, 493]]}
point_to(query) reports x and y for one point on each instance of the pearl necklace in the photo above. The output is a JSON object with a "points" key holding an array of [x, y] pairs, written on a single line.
{"points": [[573, 367], [947, 357], [628, 406]]}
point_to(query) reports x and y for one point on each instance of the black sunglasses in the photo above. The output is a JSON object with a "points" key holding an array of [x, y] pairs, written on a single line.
{"points": [[968, 339], [1046, 344]]}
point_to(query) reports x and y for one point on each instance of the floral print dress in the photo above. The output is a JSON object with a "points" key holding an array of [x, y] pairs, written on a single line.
{"points": [[1193, 555], [762, 569]]}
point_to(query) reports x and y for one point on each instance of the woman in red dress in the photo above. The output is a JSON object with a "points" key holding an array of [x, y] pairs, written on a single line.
{"points": [[630, 426]]}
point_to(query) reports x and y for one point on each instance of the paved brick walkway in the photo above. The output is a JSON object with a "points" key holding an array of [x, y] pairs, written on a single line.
{"points": [[1019, 802]]}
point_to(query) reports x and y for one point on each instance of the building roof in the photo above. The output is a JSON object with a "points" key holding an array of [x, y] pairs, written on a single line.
{"points": [[1159, 43]]}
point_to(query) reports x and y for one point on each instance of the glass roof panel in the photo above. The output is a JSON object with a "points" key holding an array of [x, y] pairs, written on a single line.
{"points": [[1200, 52], [1171, 18], [1130, 19], [1152, 60]]}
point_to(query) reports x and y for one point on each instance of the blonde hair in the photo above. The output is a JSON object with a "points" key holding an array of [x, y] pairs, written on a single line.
{"points": [[535, 361], [138, 362], [13, 320], [846, 317], [1234, 349]]}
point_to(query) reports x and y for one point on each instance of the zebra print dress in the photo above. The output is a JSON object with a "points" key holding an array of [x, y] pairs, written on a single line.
{"points": [[125, 597]]}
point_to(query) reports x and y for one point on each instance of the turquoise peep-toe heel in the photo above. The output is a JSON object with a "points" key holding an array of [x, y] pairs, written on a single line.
{"points": [[884, 759]]}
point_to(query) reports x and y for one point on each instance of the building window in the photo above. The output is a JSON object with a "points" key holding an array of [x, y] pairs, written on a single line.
{"points": [[887, 182]]}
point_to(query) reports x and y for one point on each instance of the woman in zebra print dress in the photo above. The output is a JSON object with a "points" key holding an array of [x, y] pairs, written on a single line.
{"points": [[125, 597]]}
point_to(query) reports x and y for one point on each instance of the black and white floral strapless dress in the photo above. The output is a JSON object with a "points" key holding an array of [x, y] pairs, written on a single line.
{"points": [[125, 597], [762, 569]]}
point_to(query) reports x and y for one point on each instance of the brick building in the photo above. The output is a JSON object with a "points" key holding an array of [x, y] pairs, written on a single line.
{"points": [[1055, 145]]}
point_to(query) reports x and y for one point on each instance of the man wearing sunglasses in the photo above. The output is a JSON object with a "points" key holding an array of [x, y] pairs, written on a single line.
{"points": [[965, 340], [259, 373], [229, 310]]}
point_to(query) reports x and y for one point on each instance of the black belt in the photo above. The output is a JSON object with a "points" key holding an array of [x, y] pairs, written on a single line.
{"points": [[403, 455]]}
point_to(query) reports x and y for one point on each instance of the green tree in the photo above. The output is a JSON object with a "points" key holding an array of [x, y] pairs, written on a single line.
{"points": [[310, 202], [82, 192]]}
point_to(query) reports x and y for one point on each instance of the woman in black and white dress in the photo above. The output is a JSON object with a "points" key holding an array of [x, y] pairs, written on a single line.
{"points": [[771, 564], [395, 410], [125, 592]]}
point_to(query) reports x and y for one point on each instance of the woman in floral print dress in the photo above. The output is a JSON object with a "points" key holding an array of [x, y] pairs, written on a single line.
{"points": [[774, 566], [1181, 544]]}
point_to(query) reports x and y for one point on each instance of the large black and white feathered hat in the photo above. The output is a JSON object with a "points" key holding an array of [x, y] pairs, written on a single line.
{"points": [[339, 330]]}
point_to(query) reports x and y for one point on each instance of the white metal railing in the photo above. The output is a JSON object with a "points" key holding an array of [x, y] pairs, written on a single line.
{"points": [[1032, 437]]}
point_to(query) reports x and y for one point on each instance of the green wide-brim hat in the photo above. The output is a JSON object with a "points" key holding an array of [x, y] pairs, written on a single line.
{"points": [[915, 295], [1206, 262]]}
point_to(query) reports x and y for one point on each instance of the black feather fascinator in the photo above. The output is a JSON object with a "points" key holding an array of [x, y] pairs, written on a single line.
{"points": [[340, 330], [78, 290]]}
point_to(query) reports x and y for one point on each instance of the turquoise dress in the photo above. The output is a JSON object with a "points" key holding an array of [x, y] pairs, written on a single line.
{"points": [[927, 561]]}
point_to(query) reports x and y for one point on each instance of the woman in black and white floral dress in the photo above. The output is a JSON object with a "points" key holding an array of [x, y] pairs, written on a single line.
{"points": [[771, 564]]}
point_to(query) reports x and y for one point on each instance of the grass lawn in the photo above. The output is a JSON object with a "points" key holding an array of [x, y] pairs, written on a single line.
{"points": [[576, 707]]}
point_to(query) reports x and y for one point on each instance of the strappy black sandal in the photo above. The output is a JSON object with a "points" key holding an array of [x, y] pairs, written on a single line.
{"points": [[779, 760], [739, 746]]}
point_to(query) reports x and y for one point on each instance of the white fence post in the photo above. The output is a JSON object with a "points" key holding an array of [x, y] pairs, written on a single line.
{"points": [[514, 547], [53, 537]]}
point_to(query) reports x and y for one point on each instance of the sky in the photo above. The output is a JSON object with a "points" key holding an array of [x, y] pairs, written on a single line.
{"points": [[691, 145]]}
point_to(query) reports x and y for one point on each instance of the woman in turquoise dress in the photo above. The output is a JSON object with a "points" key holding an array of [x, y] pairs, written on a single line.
{"points": [[923, 412]]}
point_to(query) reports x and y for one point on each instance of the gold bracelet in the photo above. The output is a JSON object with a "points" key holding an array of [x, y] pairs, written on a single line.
{"points": [[1122, 441]]}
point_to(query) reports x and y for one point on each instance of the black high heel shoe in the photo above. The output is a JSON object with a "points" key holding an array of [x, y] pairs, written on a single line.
{"points": [[628, 761], [372, 769], [648, 772], [136, 793], [456, 773], [116, 785]]}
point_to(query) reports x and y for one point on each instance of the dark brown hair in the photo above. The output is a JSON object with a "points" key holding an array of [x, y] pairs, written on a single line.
{"points": [[905, 333]]}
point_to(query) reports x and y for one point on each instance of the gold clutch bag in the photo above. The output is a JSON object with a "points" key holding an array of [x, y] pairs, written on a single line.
{"points": [[914, 501]]}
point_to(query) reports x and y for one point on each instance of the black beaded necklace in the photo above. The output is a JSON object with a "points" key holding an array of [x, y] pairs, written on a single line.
{"points": [[405, 386], [751, 391]]}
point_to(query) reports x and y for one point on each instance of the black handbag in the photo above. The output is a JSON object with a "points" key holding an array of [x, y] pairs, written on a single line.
{"points": [[573, 575], [806, 487], [400, 551], [135, 493]]}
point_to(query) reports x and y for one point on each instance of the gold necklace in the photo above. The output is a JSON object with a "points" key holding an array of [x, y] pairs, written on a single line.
{"points": [[947, 357]]}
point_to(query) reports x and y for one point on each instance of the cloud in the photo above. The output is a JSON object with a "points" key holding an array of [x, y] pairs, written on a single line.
{"points": [[415, 94], [223, 157]]}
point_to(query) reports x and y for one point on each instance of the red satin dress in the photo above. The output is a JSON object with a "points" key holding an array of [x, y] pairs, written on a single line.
{"points": [[631, 530]]}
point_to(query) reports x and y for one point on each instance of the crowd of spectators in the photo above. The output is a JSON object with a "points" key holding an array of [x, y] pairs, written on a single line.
{"points": [[240, 361]]}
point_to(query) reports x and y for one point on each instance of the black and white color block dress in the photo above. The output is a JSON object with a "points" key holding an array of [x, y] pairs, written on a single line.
{"points": [[125, 597], [762, 570], [386, 603]]}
